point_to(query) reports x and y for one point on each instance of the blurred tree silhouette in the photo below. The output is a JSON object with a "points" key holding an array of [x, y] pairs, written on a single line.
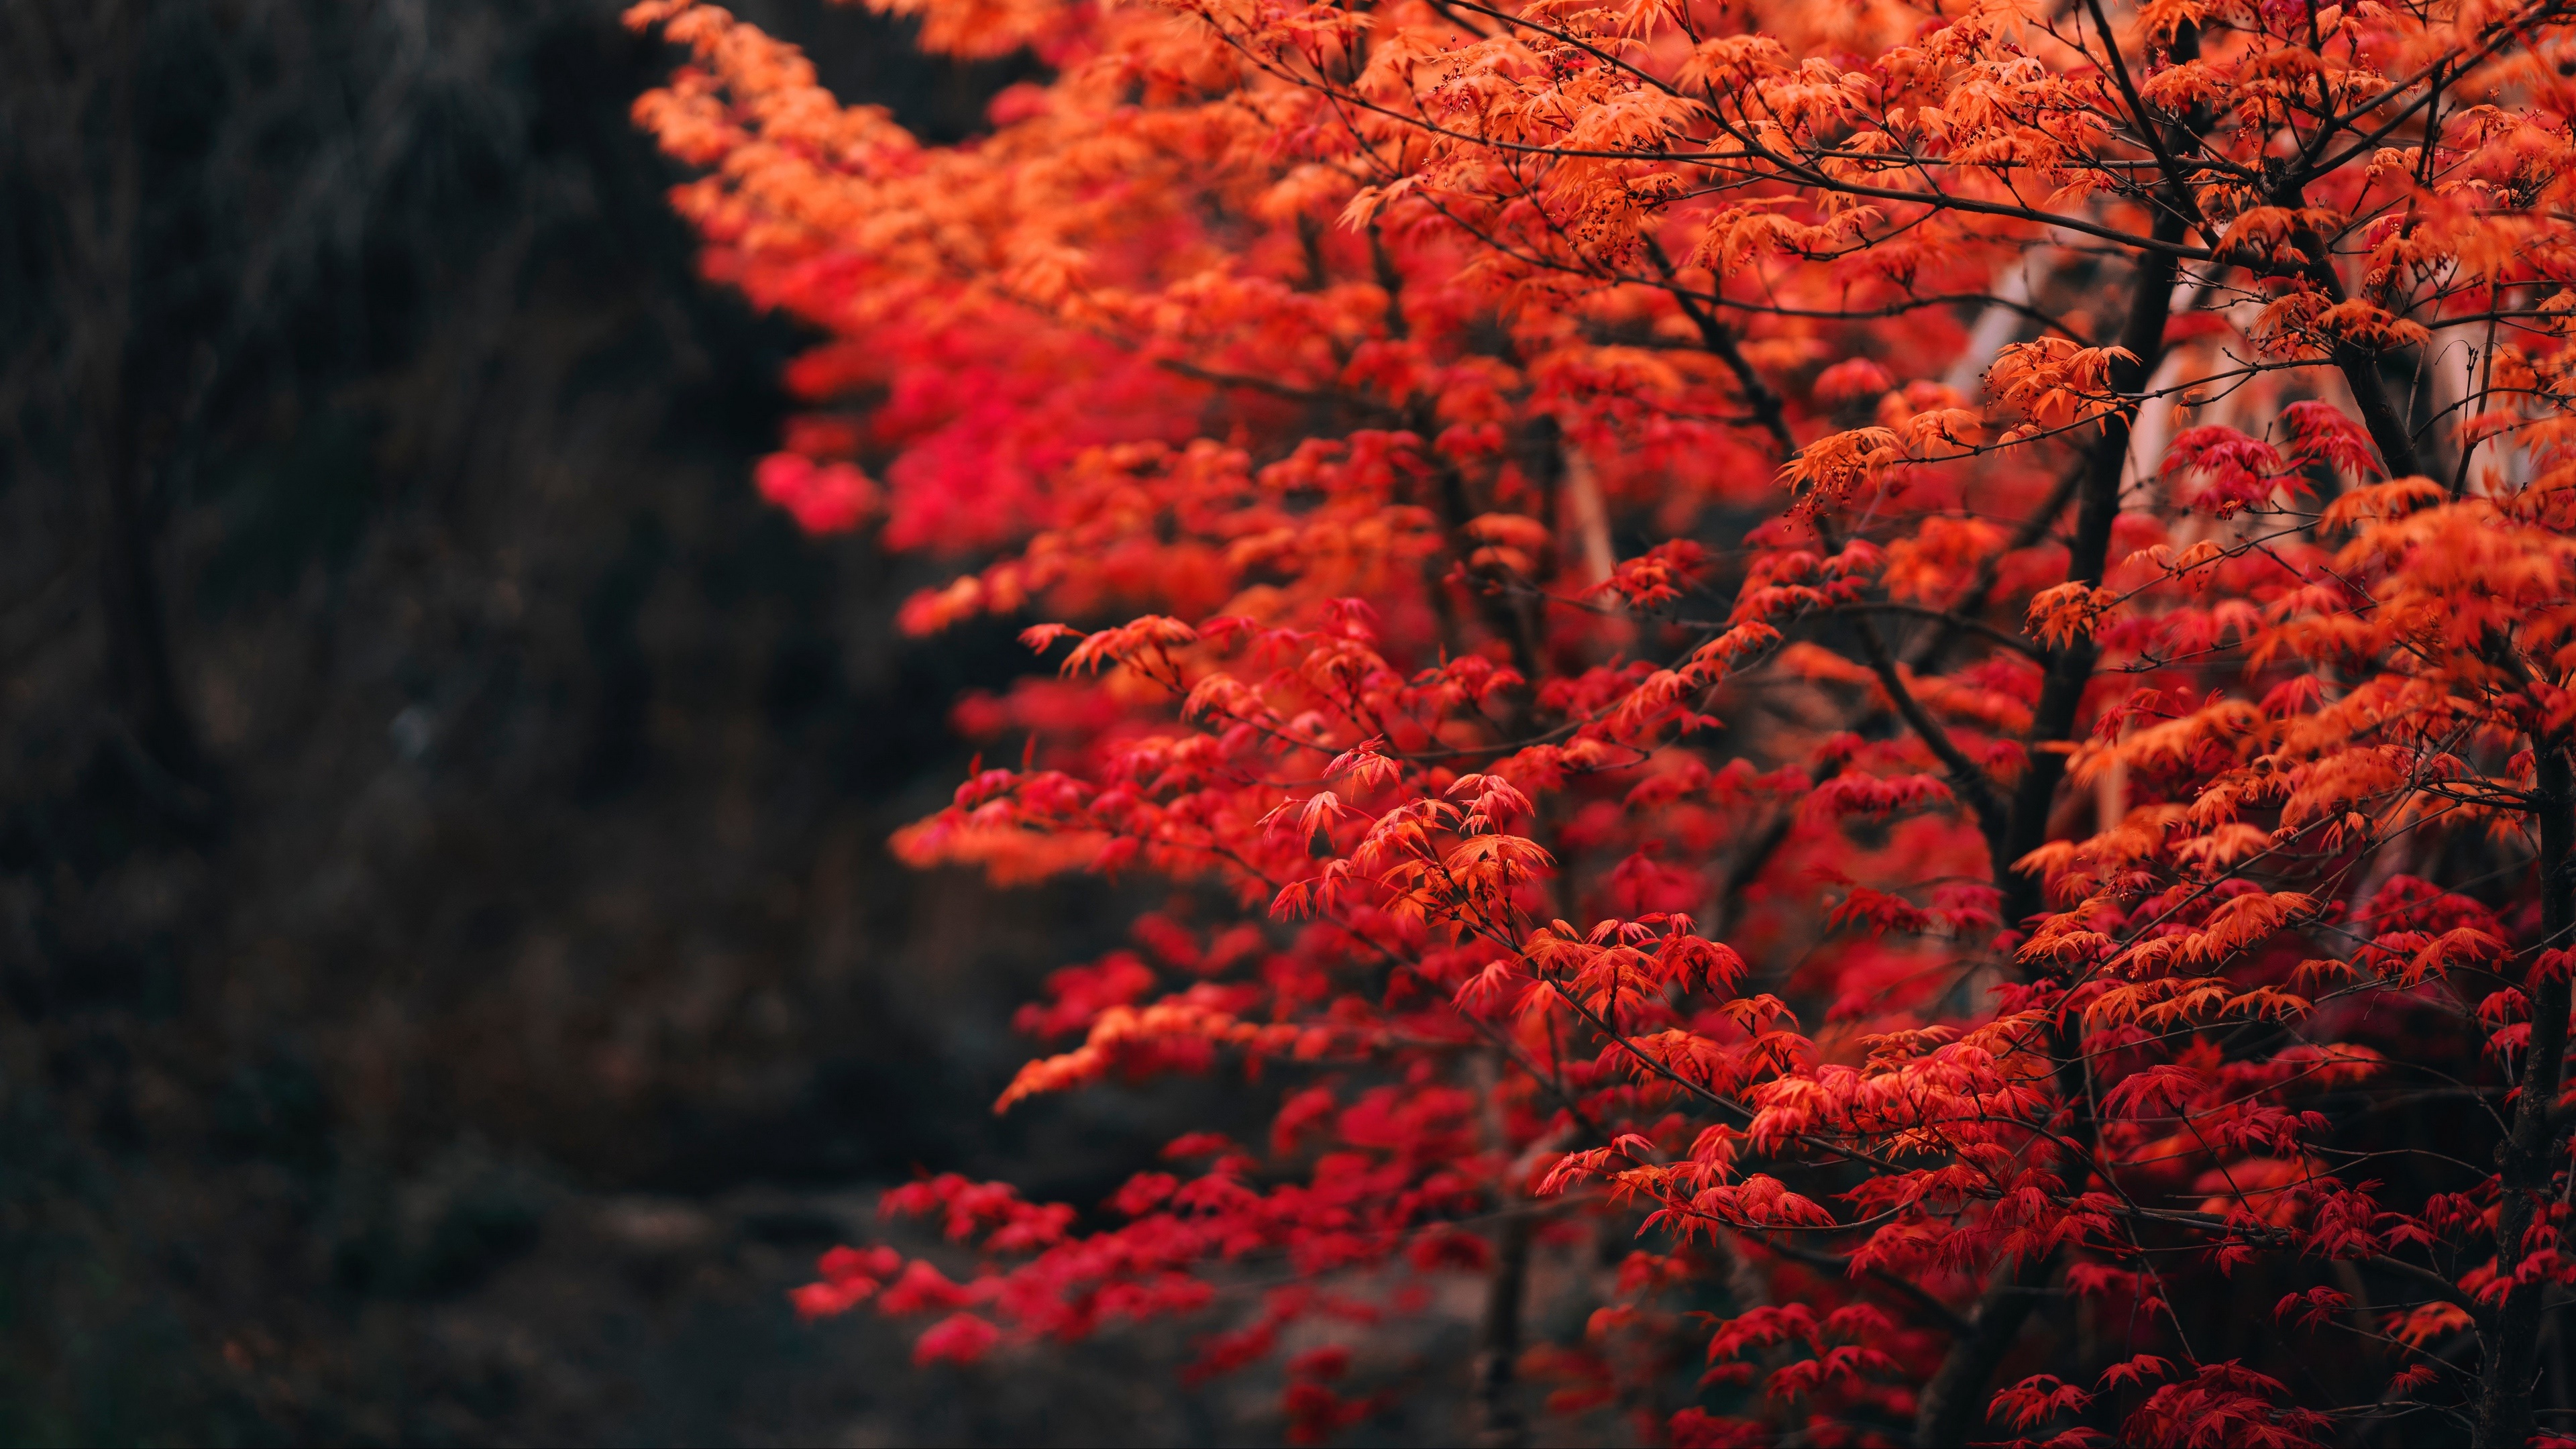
{"points": [[451, 970]]}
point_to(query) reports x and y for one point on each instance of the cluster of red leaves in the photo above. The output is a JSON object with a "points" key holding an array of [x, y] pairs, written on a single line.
{"points": [[1811, 634]]}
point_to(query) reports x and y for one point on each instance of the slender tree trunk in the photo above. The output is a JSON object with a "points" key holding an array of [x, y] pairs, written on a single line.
{"points": [[2509, 1360], [2097, 507], [138, 640], [1499, 1421], [2362, 373], [1498, 1418], [1953, 1405], [2360, 366], [98, 171]]}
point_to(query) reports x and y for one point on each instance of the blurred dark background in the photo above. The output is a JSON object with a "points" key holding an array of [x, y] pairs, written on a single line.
{"points": [[451, 977]]}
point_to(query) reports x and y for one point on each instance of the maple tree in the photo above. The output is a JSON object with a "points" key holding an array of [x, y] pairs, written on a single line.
{"points": [[1893, 675]]}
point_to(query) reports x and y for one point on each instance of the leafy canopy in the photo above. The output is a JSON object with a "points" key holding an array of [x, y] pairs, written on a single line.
{"points": [[1906, 663]]}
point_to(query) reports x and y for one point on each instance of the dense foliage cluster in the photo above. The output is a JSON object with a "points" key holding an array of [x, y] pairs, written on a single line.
{"points": [[1894, 674]]}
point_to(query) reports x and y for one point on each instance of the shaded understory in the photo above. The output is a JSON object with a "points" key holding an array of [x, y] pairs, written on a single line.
{"points": [[451, 979]]}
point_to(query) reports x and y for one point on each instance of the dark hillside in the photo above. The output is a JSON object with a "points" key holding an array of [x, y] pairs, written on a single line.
{"points": [[450, 977]]}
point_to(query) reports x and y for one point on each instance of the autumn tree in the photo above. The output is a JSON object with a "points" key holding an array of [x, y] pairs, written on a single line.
{"points": [[1905, 665]]}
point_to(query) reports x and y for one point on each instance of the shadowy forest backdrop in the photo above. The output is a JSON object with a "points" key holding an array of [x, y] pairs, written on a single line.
{"points": [[454, 981]]}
